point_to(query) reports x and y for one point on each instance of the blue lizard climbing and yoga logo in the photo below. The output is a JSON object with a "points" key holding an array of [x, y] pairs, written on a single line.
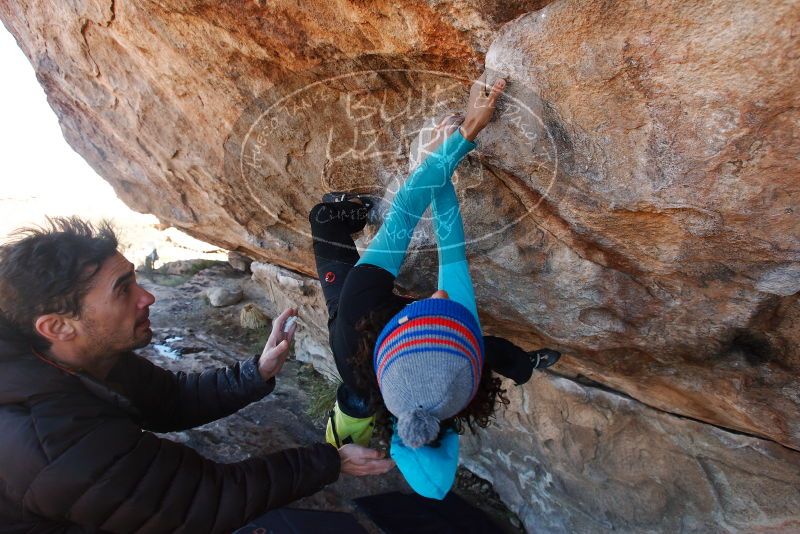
{"points": [[365, 131]]}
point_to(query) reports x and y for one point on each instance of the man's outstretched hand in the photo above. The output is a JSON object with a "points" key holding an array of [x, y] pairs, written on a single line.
{"points": [[277, 348], [360, 461]]}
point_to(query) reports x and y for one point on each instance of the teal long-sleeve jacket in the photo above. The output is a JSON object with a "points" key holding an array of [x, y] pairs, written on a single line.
{"points": [[429, 184]]}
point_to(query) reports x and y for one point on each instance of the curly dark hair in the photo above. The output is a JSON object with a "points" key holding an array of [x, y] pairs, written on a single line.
{"points": [[479, 412], [49, 270]]}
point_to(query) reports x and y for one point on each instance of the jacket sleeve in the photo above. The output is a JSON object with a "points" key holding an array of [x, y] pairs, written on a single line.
{"points": [[176, 401], [113, 477], [388, 248], [454, 274]]}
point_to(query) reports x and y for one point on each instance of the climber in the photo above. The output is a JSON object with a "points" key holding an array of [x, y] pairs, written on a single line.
{"points": [[79, 409], [426, 362]]}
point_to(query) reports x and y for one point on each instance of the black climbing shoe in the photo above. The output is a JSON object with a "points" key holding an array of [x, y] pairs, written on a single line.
{"points": [[543, 358], [375, 206], [338, 196]]}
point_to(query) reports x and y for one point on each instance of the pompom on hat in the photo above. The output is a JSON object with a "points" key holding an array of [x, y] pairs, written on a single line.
{"points": [[428, 360]]}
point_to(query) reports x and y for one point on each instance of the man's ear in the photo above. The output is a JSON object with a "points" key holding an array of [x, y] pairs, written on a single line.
{"points": [[55, 327]]}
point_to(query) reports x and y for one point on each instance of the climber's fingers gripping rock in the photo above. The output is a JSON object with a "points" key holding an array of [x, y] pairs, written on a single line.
{"points": [[481, 107]]}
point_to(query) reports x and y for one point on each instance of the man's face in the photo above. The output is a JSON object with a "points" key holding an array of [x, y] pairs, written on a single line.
{"points": [[115, 311]]}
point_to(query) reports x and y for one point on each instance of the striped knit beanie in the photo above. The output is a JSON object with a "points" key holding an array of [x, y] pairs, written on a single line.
{"points": [[428, 360]]}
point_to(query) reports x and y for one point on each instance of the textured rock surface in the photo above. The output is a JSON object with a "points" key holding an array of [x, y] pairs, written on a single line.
{"points": [[224, 296], [240, 262], [670, 259], [633, 204], [290, 290], [596, 461]]}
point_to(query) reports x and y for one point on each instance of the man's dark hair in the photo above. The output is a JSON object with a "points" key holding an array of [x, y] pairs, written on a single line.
{"points": [[49, 270]]}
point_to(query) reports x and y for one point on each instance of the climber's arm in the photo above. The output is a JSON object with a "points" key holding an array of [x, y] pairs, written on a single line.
{"points": [[388, 249], [453, 266]]}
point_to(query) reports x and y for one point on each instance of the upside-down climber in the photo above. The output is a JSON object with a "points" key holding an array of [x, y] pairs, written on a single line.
{"points": [[418, 371]]}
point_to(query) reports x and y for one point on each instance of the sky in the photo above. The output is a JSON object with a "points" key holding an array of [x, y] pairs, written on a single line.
{"points": [[40, 174]]}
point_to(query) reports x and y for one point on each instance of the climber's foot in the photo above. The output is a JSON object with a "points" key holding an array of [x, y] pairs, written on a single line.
{"points": [[373, 205], [341, 196], [342, 429], [543, 358]]}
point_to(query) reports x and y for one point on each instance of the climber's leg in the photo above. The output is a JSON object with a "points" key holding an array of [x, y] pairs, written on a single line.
{"points": [[509, 360], [335, 253], [334, 249]]}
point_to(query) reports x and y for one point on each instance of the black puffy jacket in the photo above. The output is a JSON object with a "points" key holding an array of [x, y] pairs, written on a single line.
{"points": [[75, 455]]}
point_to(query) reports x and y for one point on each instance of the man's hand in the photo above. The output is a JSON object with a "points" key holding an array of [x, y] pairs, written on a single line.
{"points": [[360, 461], [480, 109], [277, 348]]}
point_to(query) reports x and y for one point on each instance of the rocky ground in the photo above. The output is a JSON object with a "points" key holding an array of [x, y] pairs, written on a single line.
{"points": [[191, 335]]}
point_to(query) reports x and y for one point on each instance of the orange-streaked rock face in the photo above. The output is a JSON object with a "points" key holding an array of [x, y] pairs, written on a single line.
{"points": [[633, 204], [670, 260]]}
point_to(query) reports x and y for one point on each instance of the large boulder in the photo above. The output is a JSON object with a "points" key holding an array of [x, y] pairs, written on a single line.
{"points": [[633, 204], [572, 457], [669, 260]]}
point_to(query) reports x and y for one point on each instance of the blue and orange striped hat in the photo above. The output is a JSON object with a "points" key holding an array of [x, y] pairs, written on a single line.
{"points": [[428, 360]]}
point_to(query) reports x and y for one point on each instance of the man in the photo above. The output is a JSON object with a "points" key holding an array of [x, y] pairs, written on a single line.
{"points": [[77, 405]]}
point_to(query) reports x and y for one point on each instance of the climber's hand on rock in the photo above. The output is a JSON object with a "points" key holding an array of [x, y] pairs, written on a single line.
{"points": [[277, 348], [482, 100], [360, 461]]}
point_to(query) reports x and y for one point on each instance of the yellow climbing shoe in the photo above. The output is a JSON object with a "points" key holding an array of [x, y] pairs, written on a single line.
{"points": [[343, 429]]}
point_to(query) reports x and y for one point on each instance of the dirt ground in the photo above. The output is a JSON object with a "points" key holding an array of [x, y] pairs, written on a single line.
{"points": [[191, 335]]}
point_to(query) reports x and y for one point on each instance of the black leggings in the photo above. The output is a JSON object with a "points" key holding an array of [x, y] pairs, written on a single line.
{"points": [[332, 224], [335, 253]]}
